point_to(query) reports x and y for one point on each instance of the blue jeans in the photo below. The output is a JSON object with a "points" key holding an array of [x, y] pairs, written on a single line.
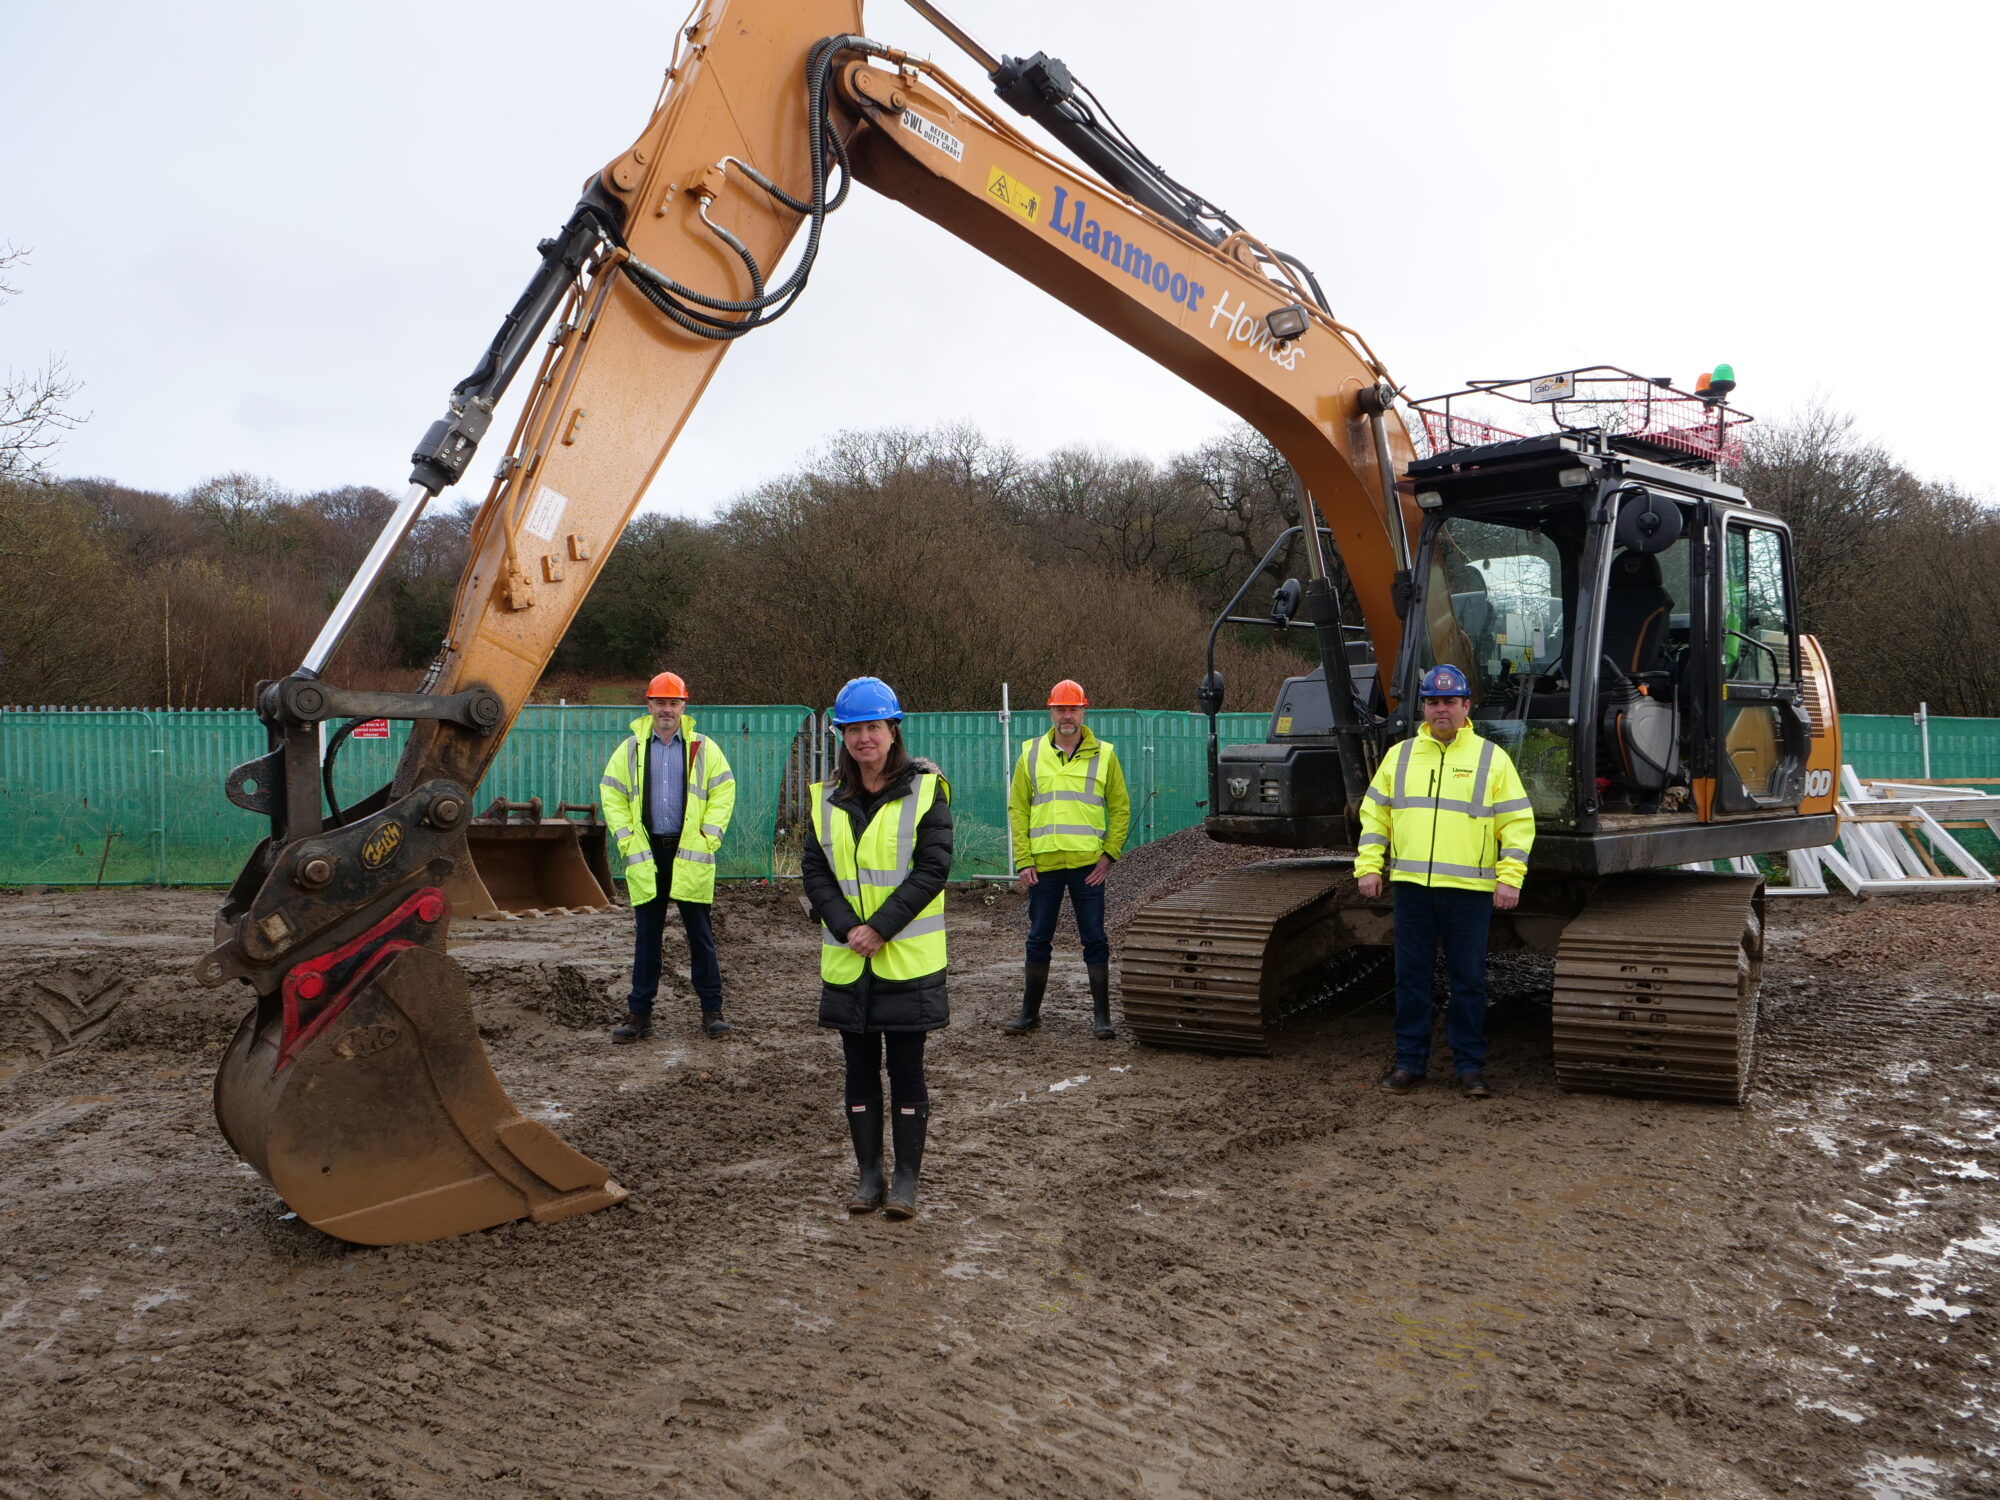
{"points": [[649, 918], [1045, 898], [1427, 916]]}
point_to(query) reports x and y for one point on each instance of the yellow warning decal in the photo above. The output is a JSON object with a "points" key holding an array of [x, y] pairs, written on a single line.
{"points": [[1016, 194], [1285, 724]]}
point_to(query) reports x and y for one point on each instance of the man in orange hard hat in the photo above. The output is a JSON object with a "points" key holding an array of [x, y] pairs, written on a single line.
{"points": [[668, 794], [1069, 811]]}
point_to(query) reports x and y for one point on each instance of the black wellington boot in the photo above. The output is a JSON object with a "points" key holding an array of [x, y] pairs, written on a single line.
{"points": [[864, 1123], [1031, 1000], [907, 1124], [1100, 1003]]}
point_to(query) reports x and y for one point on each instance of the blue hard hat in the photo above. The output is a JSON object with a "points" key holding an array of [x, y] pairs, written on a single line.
{"points": [[866, 698], [1444, 681]]}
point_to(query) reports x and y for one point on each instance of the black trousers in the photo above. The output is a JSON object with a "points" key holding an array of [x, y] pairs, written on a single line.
{"points": [[863, 1051]]}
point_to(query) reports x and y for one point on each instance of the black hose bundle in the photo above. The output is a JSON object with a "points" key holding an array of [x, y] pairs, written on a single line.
{"points": [[697, 311]]}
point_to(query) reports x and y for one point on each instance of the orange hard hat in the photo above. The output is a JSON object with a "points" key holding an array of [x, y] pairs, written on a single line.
{"points": [[667, 685], [1068, 694]]}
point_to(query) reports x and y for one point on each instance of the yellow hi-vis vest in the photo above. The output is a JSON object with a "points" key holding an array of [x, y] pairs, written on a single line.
{"points": [[705, 813], [1066, 813], [1451, 815], [868, 872]]}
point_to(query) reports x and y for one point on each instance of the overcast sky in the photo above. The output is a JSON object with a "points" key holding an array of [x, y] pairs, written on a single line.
{"points": [[270, 237]]}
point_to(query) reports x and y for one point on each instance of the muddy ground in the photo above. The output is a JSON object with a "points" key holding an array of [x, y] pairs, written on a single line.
{"points": [[1136, 1272]]}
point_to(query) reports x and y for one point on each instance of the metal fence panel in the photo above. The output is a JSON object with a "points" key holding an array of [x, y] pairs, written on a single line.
{"points": [[78, 791]]}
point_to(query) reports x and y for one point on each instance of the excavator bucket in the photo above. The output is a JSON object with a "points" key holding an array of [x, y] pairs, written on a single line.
{"points": [[526, 865], [362, 1093]]}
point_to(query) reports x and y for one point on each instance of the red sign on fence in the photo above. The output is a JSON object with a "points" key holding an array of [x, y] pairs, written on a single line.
{"points": [[374, 729]]}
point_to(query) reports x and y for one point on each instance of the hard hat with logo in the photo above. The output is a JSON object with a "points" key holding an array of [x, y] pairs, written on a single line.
{"points": [[667, 685], [866, 698], [1068, 694], [1444, 681]]}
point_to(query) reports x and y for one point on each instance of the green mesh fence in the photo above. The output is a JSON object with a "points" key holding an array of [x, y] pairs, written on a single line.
{"points": [[134, 797], [152, 782], [1165, 756]]}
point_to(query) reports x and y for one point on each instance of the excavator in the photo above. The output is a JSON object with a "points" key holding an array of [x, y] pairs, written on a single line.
{"points": [[357, 1084]]}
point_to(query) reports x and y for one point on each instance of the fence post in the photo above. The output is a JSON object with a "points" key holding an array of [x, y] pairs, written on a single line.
{"points": [[1923, 719], [1006, 774], [157, 758]]}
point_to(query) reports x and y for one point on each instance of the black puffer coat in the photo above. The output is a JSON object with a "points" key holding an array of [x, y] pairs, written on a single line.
{"points": [[872, 1004]]}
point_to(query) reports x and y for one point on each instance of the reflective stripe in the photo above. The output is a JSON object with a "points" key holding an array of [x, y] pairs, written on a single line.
{"points": [[1438, 867], [1514, 804], [1402, 772], [920, 927], [1520, 854], [827, 939], [1374, 841], [1380, 799], [1485, 767], [645, 858], [1445, 805], [711, 831], [694, 856], [1034, 759], [612, 783], [717, 780], [849, 888], [1090, 782], [906, 837], [890, 878], [1090, 798], [1082, 830]]}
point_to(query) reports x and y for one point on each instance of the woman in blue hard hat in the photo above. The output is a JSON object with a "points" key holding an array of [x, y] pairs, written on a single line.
{"points": [[877, 854]]}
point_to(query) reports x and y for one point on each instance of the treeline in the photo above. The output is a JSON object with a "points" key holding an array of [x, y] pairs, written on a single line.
{"points": [[944, 562]]}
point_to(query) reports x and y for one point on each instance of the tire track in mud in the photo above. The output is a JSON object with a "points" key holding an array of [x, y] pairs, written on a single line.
{"points": [[49, 1014]]}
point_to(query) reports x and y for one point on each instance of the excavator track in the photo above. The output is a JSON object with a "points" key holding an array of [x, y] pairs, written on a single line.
{"points": [[1218, 966], [1656, 987]]}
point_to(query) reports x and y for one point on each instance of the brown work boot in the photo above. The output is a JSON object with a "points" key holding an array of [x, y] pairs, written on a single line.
{"points": [[634, 1028], [1401, 1080], [712, 1024]]}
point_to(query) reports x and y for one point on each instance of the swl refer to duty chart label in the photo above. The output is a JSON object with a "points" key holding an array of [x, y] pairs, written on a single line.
{"points": [[545, 514]]}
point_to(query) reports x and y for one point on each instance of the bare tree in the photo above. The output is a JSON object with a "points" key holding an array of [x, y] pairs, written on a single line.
{"points": [[33, 403]]}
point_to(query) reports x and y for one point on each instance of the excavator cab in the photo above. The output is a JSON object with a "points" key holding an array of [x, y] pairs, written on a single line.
{"points": [[1626, 620]]}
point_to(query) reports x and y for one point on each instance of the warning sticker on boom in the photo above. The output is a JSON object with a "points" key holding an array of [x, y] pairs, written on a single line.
{"points": [[545, 514], [934, 134], [1017, 195]]}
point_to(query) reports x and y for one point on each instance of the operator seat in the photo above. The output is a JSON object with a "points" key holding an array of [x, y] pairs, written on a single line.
{"points": [[1640, 733], [1637, 612]]}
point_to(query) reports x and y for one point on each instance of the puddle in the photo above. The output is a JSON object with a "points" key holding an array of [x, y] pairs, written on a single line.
{"points": [[1888, 1478]]}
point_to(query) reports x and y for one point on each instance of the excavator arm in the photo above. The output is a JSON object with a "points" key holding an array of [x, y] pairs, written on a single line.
{"points": [[358, 1085]]}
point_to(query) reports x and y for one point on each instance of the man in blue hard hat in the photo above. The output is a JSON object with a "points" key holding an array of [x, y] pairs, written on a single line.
{"points": [[1448, 817]]}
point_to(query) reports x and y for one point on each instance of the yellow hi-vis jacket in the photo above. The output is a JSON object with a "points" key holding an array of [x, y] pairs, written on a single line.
{"points": [[711, 799], [869, 872], [1065, 813], [1447, 815]]}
